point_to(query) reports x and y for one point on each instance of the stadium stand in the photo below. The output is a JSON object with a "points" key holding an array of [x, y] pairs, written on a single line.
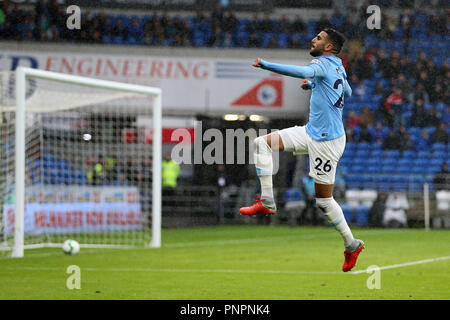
{"points": [[409, 56]]}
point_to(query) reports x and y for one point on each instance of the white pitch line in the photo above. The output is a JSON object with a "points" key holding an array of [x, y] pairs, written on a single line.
{"points": [[400, 265], [281, 272], [176, 270]]}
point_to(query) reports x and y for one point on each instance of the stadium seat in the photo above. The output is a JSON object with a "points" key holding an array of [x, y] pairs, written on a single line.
{"points": [[357, 168], [292, 194], [368, 182], [359, 161], [416, 183], [392, 153], [377, 153], [400, 183], [372, 161], [408, 154], [373, 169], [348, 212], [353, 181], [423, 154], [389, 168], [363, 153], [442, 155], [439, 146], [382, 182], [403, 169], [362, 215]]}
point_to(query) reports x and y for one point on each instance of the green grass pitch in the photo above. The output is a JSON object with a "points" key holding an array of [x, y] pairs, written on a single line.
{"points": [[241, 263]]}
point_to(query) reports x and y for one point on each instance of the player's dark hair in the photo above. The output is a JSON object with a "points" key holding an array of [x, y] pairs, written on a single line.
{"points": [[336, 38]]}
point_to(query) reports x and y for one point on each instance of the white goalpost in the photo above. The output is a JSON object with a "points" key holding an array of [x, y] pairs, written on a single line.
{"points": [[60, 189]]}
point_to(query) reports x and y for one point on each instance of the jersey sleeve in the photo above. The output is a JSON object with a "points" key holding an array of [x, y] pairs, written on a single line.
{"points": [[347, 89], [289, 70], [320, 68]]}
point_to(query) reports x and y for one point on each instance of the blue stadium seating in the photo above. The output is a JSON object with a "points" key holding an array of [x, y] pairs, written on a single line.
{"points": [[362, 215], [292, 194], [348, 212]]}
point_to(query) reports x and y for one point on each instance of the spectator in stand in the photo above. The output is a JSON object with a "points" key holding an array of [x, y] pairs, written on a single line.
{"points": [[120, 30], [352, 120], [273, 44], [436, 24], [424, 79], [406, 142], [337, 19], [217, 15], [367, 117], [406, 22], [395, 213], [267, 24], [432, 118], [406, 65], [294, 43], [215, 40], [135, 29], [360, 90], [392, 142], [423, 142], [379, 89], [349, 29], [353, 80], [362, 67], [298, 26], [418, 114], [350, 134], [377, 210], [254, 41], [227, 41], [382, 61], [440, 135], [394, 67], [284, 24], [230, 23], [438, 94], [432, 70], [254, 25], [378, 134], [419, 94], [392, 108], [403, 83], [365, 135], [442, 178], [323, 23]]}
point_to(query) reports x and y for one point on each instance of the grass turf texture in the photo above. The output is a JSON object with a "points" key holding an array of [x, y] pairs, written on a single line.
{"points": [[239, 263]]}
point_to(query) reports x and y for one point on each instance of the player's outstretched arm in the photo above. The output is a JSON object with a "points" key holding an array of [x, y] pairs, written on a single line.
{"points": [[284, 69]]}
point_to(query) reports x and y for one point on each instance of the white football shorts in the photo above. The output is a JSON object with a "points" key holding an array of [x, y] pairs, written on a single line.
{"points": [[323, 155]]}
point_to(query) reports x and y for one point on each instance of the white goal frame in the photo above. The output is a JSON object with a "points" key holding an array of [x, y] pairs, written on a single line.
{"points": [[20, 82]]}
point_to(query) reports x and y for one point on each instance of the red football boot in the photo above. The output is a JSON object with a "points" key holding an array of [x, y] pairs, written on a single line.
{"points": [[351, 257], [257, 208]]}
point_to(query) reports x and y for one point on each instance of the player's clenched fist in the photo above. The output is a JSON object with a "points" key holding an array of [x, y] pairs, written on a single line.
{"points": [[257, 63], [304, 85]]}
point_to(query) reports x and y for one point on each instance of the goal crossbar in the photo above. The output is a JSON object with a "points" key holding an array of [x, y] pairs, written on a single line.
{"points": [[20, 85]]}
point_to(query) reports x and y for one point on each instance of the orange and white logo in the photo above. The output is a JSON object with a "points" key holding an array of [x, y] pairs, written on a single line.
{"points": [[267, 93]]}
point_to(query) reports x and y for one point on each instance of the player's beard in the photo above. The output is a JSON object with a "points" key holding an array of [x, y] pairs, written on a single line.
{"points": [[315, 52]]}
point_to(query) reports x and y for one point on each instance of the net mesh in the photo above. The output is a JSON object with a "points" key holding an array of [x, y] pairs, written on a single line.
{"points": [[88, 171]]}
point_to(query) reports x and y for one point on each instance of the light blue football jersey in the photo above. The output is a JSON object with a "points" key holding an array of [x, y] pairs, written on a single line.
{"points": [[329, 87]]}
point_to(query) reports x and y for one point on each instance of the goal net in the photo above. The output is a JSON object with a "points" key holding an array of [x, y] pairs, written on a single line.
{"points": [[73, 165]]}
